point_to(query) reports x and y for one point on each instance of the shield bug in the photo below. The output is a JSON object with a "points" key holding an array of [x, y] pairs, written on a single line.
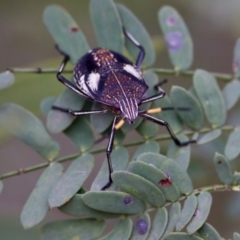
{"points": [[107, 77]]}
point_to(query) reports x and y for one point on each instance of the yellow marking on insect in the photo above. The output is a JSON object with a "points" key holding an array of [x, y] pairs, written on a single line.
{"points": [[154, 110], [119, 124]]}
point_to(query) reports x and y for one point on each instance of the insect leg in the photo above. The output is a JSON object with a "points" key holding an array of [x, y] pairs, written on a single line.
{"points": [[108, 153], [63, 80], [78, 113], [141, 54], [165, 124], [161, 93]]}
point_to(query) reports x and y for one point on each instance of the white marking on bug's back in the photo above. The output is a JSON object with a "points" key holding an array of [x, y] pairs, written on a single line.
{"points": [[93, 81], [81, 83], [133, 71]]}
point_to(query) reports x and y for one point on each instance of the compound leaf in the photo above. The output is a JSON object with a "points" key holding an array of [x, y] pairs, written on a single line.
{"points": [[171, 168], [71, 181], [76, 207], [148, 146], [171, 117], [141, 227], [173, 216], [223, 169], [177, 37], [210, 97], [121, 231], [231, 93], [208, 137], [28, 128], [138, 187], [57, 121], [46, 105], [138, 31], [187, 212], [65, 32], [202, 211], [119, 158], [183, 99], [107, 25], [157, 177], [73, 229], [6, 79], [232, 148], [81, 134], [181, 155], [37, 206], [113, 202], [209, 233], [159, 224]]}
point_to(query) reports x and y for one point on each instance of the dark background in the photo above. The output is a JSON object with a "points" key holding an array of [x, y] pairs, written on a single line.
{"points": [[24, 42]]}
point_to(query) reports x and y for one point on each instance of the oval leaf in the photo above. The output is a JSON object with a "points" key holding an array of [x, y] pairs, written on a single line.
{"points": [[231, 93], [28, 128], [181, 155], [171, 117], [107, 25], [114, 202], [157, 177], [236, 236], [46, 105], [236, 59], [76, 207], [223, 169], [6, 79], [171, 169], [57, 121], [65, 32], [209, 233], [37, 206], [183, 99], [208, 137], [119, 158], [173, 216], [138, 31], [71, 181], [81, 134], [147, 129], [159, 224], [1, 186], [189, 208], [73, 229], [181, 236], [121, 231], [210, 97], [141, 228], [177, 37], [201, 214], [138, 187], [101, 122], [148, 146], [232, 148]]}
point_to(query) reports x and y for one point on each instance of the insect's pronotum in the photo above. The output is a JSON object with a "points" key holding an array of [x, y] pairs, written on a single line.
{"points": [[116, 83]]}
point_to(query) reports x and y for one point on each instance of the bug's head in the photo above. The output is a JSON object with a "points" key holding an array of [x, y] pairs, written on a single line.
{"points": [[129, 109]]}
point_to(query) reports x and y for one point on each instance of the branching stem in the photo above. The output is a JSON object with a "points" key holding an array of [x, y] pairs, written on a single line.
{"points": [[100, 150]]}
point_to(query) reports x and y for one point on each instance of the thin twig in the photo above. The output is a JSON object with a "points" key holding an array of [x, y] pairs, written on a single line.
{"points": [[190, 73], [162, 71], [100, 150]]}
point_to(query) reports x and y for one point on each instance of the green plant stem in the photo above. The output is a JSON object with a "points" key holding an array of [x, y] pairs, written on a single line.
{"points": [[212, 188], [100, 150], [162, 71], [37, 70], [190, 73]]}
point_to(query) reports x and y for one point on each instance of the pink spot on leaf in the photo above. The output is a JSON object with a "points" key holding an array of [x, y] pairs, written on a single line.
{"points": [[174, 41]]}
